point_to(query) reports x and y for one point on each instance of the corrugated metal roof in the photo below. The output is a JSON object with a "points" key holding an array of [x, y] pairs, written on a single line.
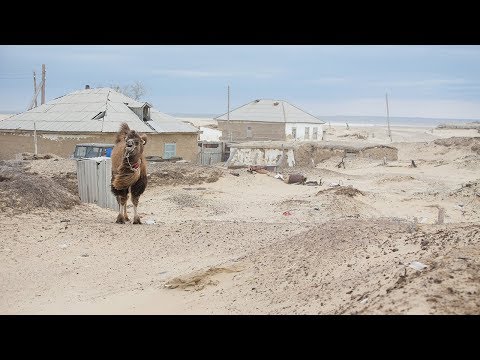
{"points": [[165, 123], [75, 112], [278, 111]]}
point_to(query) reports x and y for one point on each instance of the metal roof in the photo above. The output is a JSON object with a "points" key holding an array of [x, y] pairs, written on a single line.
{"points": [[277, 111], [81, 111]]}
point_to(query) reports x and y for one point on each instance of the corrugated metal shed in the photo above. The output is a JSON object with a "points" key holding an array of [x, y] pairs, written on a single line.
{"points": [[94, 177], [82, 111], [277, 111]]}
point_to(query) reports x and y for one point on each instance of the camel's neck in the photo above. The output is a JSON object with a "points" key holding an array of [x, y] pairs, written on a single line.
{"points": [[132, 161]]}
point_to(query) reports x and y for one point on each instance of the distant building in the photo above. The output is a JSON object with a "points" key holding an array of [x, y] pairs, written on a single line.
{"points": [[94, 116], [269, 120]]}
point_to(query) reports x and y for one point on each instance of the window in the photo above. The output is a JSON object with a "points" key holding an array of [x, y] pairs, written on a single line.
{"points": [[93, 151], [307, 133], [80, 151], [170, 151], [249, 132], [294, 133], [146, 113], [315, 133]]}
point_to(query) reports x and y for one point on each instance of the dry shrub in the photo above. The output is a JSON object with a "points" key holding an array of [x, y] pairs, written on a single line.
{"points": [[31, 156], [68, 180], [21, 191]]}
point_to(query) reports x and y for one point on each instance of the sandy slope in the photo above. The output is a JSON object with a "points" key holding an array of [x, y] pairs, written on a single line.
{"points": [[226, 247]]}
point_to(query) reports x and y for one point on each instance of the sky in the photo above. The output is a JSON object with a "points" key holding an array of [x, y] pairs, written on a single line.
{"points": [[421, 80]]}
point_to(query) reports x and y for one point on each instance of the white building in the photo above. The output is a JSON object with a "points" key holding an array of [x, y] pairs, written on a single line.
{"points": [[262, 120]]}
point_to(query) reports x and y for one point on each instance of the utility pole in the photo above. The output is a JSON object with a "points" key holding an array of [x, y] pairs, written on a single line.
{"points": [[35, 86], [35, 136], [228, 114], [43, 84], [388, 118]]}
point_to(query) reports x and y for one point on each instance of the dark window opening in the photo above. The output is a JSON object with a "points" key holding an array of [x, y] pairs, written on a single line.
{"points": [[146, 113], [99, 116]]}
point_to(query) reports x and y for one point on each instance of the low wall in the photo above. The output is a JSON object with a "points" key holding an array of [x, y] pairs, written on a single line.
{"points": [[260, 156], [270, 154]]}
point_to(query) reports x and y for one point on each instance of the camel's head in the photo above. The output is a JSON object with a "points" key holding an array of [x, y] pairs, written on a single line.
{"points": [[134, 142]]}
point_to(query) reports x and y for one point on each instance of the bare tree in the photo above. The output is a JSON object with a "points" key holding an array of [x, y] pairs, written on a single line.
{"points": [[136, 90]]}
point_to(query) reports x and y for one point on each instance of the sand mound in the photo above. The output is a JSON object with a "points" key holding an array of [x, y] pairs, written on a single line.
{"points": [[199, 279], [342, 190], [182, 174], [472, 142], [359, 266], [32, 156], [449, 285], [21, 191], [469, 189], [397, 178], [356, 135]]}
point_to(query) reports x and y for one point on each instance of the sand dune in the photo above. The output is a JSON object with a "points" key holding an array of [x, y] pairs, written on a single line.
{"points": [[252, 244]]}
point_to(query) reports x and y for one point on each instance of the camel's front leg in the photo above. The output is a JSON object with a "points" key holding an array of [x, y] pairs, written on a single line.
{"points": [[122, 201], [136, 218]]}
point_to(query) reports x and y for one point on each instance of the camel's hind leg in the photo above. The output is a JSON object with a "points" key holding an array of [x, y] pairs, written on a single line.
{"points": [[136, 190], [122, 201], [125, 215]]}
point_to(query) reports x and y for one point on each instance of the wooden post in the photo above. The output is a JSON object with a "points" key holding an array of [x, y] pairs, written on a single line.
{"points": [[35, 137], [35, 87], [43, 84], [388, 118]]}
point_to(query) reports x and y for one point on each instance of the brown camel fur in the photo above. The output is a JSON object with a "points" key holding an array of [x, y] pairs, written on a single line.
{"points": [[129, 170]]}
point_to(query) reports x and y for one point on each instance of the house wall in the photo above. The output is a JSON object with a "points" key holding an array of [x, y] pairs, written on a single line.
{"points": [[260, 130], [301, 131], [187, 145], [15, 143]]}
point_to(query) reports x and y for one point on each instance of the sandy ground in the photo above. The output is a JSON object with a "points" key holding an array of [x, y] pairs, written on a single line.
{"points": [[252, 244]]}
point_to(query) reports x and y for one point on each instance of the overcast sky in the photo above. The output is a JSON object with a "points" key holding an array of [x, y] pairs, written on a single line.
{"points": [[421, 81]]}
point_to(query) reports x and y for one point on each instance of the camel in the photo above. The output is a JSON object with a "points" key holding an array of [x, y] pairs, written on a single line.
{"points": [[129, 170]]}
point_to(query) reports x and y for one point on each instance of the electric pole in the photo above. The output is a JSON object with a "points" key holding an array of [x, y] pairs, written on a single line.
{"points": [[43, 84], [388, 118], [228, 114], [35, 86]]}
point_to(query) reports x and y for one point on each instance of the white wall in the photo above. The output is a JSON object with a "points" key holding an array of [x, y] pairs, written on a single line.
{"points": [[210, 134], [301, 131], [265, 157]]}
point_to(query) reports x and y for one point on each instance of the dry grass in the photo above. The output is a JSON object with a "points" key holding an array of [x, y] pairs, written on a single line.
{"points": [[21, 191]]}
